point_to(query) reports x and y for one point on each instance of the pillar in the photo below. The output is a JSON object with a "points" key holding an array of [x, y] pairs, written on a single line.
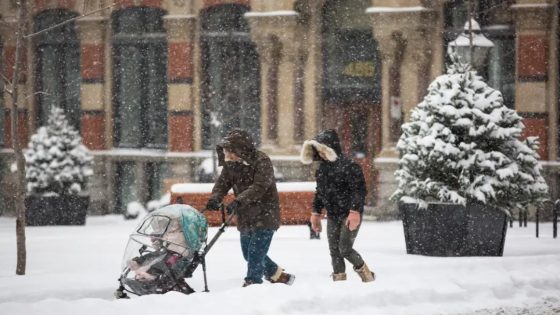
{"points": [[406, 46], [91, 31], [274, 34], [534, 97]]}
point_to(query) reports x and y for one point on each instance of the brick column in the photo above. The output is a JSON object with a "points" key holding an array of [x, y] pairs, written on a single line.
{"points": [[92, 69], [405, 51], [180, 43], [274, 34], [534, 99], [313, 70]]}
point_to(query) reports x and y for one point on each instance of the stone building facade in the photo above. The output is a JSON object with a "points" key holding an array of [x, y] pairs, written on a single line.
{"points": [[152, 84]]}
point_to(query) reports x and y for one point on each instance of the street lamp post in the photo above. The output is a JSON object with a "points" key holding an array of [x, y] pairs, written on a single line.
{"points": [[472, 46]]}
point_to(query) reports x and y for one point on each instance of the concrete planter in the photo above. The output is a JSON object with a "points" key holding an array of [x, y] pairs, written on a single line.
{"points": [[453, 230], [56, 210]]}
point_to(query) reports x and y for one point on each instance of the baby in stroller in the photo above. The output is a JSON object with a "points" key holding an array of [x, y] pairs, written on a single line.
{"points": [[149, 266], [159, 253]]}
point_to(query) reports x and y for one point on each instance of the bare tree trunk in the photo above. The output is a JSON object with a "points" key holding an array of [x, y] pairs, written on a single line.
{"points": [[21, 28], [20, 185]]}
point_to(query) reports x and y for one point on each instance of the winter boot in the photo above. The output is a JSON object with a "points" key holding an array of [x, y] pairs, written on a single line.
{"points": [[282, 277], [338, 276], [248, 283], [365, 274]]}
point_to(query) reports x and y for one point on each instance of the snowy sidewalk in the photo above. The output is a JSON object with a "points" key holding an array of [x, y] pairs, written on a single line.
{"points": [[74, 270]]}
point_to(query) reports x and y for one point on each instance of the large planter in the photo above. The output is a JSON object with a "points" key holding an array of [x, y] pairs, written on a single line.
{"points": [[56, 210], [453, 230]]}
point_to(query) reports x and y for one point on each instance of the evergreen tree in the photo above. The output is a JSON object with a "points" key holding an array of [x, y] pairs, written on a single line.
{"points": [[462, 145], [56, 161]]}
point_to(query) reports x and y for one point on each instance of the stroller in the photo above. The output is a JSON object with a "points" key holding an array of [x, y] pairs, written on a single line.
{"points": [[166, 247]]}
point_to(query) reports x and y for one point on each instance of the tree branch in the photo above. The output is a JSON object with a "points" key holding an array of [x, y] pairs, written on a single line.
{"points": [[68, 21], [8, 82], [5, 78]]}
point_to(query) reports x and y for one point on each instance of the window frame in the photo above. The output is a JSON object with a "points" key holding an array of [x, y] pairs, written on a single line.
{"points": [[140, 44], [226, 45], [64, 63]]}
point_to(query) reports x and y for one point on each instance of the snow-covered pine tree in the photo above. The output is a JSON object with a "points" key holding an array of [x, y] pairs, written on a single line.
{"points": [[462, 145], [56, 161]]}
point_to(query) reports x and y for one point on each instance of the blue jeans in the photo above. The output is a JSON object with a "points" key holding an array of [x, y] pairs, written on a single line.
{"points": [[254, 246]]}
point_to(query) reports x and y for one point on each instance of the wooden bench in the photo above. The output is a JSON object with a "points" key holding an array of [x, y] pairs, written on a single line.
{"points": [[296, 200]]}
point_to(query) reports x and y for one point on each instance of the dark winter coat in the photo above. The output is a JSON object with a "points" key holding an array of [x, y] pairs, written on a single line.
{"points": [[340, 181], [252, 181]]}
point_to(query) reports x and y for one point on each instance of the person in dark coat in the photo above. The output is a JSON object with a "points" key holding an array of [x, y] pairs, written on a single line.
{"points": [[250, 174], [341, 190]]}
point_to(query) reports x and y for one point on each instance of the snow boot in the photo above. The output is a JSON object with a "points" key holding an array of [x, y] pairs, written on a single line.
{"points": [[338, 276], [247, 283], [282, 277], [365, 274]]}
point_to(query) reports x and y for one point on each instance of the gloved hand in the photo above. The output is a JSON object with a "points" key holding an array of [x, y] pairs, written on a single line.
{"points": [[353, 220], [316, 222], [213, 205], [232, 207]]}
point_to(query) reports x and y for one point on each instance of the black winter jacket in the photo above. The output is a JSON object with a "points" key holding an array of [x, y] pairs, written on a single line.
{"points": [[340, 184]]}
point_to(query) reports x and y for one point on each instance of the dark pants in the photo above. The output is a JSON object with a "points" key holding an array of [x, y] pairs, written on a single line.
{"points": [[254, 246], [341, 240]]}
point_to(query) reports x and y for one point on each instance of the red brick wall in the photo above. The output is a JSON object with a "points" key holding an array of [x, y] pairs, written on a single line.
{"points": [[41, 5], [532, 57], [22, 128], [67, 4], [9, 61], [92, 125], [180, 62], [536, 125], [295, 207], [92, 62], [153, 3], [181, 128]]}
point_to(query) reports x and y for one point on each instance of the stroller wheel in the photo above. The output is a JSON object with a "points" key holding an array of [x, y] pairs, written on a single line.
{"points": [[184, 288], [120, 294]]}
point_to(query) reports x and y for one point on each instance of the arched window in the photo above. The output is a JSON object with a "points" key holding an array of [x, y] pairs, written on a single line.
{"points": [[139, 78], [497, 25], [230, 74], [351, 67], [350, 64], [57, 66]]}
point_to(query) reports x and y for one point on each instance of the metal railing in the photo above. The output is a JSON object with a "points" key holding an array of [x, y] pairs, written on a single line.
{"points": [[552, 207]]}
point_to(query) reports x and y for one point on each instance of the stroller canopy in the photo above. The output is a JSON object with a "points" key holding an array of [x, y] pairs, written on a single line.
{"points": [[180, 224]]}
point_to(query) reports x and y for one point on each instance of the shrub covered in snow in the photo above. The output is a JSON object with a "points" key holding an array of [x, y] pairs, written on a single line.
{"points": [[56, 162], [462, 145]]}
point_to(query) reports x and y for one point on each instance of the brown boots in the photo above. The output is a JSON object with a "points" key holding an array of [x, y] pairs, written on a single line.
{"points": [[282, 277], [338, 276], [365, 274]]}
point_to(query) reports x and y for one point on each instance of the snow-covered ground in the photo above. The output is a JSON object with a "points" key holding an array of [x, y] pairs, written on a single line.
{"points": [[74, 270]]}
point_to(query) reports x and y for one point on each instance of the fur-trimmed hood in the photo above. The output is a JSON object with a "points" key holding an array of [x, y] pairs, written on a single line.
{"points": [[326, 142], [239, 142]]}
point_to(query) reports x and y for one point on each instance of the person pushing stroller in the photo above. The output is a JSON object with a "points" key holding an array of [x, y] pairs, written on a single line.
{"points": [[251, 175]]}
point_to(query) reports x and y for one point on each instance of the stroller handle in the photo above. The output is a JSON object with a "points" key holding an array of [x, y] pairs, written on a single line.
{"points": [[221, 208]]}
